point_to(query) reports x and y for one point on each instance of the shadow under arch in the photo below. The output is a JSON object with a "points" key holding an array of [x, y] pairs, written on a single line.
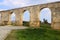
{"points": [[45, 17], [26, 18]]}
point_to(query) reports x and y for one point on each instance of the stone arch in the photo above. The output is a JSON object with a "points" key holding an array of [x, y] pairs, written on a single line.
{"points": [[12, 18], [13, 15], [26, 18], [0, 16], [44, 7], [0, 19], [47, 16]]}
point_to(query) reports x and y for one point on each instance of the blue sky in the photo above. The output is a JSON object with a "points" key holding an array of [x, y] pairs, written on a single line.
{"points": [[11, 4]]}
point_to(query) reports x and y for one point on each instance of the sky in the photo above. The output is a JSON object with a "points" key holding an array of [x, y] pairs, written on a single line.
{"points": [[11, 4]]}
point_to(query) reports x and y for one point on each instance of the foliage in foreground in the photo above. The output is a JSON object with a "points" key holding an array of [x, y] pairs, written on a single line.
{"points": [[34, 34]]}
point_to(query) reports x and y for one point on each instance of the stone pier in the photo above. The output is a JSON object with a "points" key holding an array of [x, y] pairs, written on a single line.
{"points": [[34, 15]]}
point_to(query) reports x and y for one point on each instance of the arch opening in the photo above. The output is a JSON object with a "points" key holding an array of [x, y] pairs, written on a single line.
{"points": [[13, 18], [45, 17], [26, 18]]}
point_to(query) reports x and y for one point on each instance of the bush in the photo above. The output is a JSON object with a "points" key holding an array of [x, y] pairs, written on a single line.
{"points": [[25, 23]]}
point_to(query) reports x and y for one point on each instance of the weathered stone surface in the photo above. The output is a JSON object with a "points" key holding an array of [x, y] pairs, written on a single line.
{"points": [[34, 15], [56, 18], [19, 17]]}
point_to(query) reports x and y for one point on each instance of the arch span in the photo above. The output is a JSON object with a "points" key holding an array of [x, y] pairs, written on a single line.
{"points": [[26, 18], [13, 18], [45, 17], [34, 15]]}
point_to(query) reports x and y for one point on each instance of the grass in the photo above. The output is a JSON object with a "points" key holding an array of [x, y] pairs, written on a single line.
{"points": [[45, 25], [43, 33], [34, 34]]}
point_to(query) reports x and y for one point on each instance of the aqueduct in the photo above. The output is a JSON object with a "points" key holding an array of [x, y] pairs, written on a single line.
{"points": [[34, 15]]}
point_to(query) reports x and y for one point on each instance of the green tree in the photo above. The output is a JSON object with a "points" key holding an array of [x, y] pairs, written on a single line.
{"points": [[45, 21]]}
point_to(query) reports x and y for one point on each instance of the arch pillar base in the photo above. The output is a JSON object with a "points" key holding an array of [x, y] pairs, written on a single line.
{"points": [[35, 24], [19, 15], [34, 17], [56, 18], [18, 23]]}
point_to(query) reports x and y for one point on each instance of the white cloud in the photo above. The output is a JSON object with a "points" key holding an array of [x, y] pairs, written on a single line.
{"points": [[22, 3], [52, 0], [14, 2], [1, 9]]}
